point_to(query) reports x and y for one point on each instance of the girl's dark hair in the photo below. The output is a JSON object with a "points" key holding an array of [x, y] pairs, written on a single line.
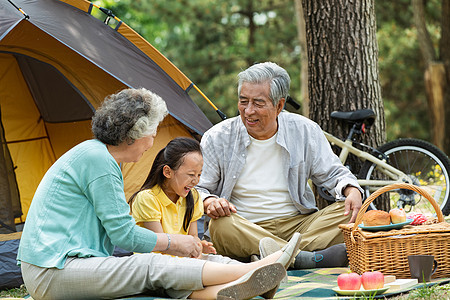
{"points": [[173, 156]]}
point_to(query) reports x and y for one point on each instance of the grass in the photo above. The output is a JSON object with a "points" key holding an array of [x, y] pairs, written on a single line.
{"points": [[14, 293], [427, 292]]}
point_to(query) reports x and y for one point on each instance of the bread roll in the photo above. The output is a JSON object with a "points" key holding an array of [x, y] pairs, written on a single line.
{"points": [[376, 218]]}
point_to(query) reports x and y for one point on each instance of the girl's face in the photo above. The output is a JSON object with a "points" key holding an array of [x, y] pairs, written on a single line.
{"points": [[179, 182]]}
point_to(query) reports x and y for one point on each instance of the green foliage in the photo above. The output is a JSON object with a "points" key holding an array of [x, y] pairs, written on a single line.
{"points": [[212, 41], [402, 68], [402, 83]]}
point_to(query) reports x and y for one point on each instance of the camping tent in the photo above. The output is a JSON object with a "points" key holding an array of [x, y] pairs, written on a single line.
{"points": [[57, 63]]}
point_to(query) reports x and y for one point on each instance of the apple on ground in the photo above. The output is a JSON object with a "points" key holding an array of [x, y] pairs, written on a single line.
{"points": [[349, 281], [372, 280], [398, 215]]}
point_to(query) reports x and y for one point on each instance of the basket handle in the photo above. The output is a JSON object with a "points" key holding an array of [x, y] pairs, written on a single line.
{"points": [[391, 187]]}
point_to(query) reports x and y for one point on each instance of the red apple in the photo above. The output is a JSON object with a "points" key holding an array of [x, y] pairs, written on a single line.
{"points": [[372, 280], [398, 215], [349, 281]]}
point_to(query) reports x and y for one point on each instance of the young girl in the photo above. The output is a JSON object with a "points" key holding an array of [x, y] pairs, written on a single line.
{"points": [[167, 201]]}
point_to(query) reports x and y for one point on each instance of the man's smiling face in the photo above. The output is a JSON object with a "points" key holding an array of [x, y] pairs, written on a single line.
{"points": [[257, 111]]}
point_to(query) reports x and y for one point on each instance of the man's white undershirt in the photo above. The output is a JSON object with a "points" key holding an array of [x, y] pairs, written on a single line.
{"points": [[261, 192]]}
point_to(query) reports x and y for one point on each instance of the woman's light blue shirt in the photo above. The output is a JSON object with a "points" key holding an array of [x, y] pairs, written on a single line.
{"points": [[79, 209]]}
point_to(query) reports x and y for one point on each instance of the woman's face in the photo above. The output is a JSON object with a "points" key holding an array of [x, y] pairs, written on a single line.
{"points": [[137, 149], [179, 182]]}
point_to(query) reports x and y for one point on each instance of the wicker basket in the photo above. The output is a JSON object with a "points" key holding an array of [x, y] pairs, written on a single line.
{"points": [[387, 251]]}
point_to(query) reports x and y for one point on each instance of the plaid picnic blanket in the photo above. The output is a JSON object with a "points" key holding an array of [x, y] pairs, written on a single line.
{"points": [[312, 284], [319, 284]]}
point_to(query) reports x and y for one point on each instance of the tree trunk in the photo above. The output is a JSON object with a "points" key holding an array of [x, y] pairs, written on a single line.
{"points": [[434, 86], [301, 33], [343, 64], [434, 73], [444, 47]]}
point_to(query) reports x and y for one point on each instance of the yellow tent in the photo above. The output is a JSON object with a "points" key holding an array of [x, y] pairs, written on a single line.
{"points": [[57, 63]]}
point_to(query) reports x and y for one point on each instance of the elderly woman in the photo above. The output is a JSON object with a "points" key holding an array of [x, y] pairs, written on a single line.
{"points": [[79, 213]]}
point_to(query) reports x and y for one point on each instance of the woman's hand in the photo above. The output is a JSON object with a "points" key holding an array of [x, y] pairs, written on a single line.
{"points": [[184, 245], [180, 245]]}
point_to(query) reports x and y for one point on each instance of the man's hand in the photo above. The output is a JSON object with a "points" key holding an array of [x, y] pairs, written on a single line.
{"points": [[182, 245], [218, 207], [353, 202]]}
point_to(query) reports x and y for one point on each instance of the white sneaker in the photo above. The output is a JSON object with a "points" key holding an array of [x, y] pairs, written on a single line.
{"points": [[254, 258], [268, 246], [290, 250], [254, 283]]}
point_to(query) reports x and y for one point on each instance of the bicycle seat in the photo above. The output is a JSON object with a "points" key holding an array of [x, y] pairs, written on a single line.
{"points": [[366, 116]]}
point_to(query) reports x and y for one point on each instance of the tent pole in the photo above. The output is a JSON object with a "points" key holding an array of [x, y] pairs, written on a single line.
{"points": [[19, 9], [220, 113], [109, 14]]}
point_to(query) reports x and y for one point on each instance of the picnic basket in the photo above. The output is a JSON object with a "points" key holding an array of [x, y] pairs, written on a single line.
{"points": [[387, 251]]}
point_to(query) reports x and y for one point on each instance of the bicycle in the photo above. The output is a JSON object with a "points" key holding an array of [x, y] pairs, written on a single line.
{"points": [[409, 160]]}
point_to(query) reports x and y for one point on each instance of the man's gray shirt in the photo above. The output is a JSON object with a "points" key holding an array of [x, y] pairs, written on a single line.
{"points": [[306, 155]]}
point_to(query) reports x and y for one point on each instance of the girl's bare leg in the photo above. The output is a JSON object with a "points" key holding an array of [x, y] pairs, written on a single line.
{"points": [[209, 292], [215, 275]]}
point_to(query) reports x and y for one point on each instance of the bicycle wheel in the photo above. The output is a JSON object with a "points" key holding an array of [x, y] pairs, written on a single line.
{"points": [[425, 165]]}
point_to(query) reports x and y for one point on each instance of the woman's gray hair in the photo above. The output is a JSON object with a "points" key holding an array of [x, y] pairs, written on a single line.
{"points": [[268, 71], [128, 115]]}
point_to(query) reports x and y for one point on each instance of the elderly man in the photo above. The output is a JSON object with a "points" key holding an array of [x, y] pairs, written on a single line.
{"points": [[255, 176]]}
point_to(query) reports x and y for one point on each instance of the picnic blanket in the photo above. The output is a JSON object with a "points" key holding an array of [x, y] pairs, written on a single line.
{"points": [[317, 284], [313, 284]]}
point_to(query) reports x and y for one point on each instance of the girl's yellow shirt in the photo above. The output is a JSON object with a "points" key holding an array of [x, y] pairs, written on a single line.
{"points": [[153, 205]]}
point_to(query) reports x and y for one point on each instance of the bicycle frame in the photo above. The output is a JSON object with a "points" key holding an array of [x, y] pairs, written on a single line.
{"points": [[347, 147]]}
